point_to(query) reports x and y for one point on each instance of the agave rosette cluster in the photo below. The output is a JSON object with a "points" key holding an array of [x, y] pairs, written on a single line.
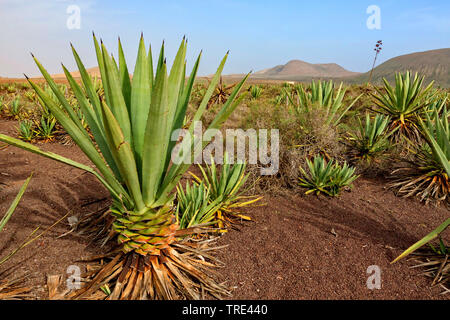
{"points": [[326, 177], [372, 139], [255, 91], [322, 96], [224, 187], [194, 208]]}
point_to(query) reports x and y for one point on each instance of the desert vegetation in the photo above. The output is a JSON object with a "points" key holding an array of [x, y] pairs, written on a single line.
{"points": [[162, 216]]}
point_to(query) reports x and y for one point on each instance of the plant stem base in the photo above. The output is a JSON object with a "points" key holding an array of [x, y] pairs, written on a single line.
{"points": [[179, 272]]}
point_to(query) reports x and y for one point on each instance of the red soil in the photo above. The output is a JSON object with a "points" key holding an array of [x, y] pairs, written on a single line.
{"points": [[297, 247]]}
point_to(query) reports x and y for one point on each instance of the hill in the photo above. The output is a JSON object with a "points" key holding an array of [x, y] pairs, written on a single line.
{"points": [[433, 64], [95, 71], [301, 70]]}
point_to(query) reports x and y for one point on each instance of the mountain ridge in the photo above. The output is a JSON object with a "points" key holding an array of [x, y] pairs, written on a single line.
{"points": [[433, 64], [299, 68]]}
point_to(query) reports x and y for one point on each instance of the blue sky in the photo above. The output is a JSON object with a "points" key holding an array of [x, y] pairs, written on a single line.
{"points": [[259, 33]]}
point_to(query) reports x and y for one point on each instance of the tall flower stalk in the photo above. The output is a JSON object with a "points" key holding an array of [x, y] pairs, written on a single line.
{"points": [[377, 49]]}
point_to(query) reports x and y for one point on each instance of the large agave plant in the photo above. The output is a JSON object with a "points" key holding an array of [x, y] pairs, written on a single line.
{"points": [[322, 96], [131, 150], [427, 175], [403, 103]]}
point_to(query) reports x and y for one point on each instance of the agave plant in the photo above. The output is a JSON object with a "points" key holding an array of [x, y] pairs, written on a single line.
{"points": [[439, 261], [10, 212], [2, 105], [221, 93], [194, 207], [403, 103], [226, 189], [11, 88], [255, 91], [426, 175], [97, 83], [372, 140], [321, 96], [437, 103], [30, 95], [45, 128], [326, 177], [15, 108], [132, 130], [25, 129], [10, 288]]}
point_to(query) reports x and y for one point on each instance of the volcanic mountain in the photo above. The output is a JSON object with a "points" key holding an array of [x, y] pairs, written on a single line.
{"points": [[433, 64], [301, 70]]}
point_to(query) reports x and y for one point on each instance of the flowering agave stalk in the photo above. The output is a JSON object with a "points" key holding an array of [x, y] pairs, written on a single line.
{"points": [[132, 129], [377, 49]]}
